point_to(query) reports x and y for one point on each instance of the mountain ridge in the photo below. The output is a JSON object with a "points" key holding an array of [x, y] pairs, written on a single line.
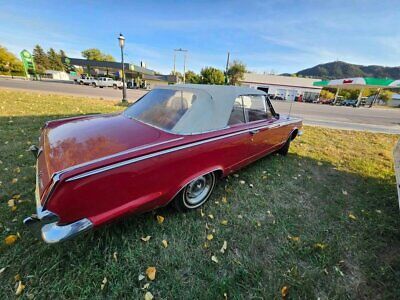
{"points": [[341, 69]]}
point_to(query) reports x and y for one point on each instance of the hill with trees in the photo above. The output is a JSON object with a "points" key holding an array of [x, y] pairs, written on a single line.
{"points": [[340, 69]]}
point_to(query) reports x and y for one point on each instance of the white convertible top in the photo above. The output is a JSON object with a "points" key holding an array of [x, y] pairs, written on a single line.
{"points": [[212, 108]]}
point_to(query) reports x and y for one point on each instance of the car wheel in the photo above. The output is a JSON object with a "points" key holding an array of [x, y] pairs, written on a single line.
{"points": [[285, 148], [195, 193], [94, 84], [80, 82], [114, 86]]}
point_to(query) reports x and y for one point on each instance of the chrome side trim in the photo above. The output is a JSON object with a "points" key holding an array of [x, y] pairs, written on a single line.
{"points": [[178, 148], [53, 233], [132, 150]]}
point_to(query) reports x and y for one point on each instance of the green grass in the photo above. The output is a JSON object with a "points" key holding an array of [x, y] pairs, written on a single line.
{"points": [[273, 229]]}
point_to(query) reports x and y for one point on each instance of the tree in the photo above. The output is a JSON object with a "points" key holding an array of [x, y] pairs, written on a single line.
{"points": [[192, 77], [55, 62], [386, 95], [41, 60], [210, 75], [96, 54], [327, 94], [9, 63], [236, 72]]}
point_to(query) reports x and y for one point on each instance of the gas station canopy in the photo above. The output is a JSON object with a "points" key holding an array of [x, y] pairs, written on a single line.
{"points": [[359, 83]]}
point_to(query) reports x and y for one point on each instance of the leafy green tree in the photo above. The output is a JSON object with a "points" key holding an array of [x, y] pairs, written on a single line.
{"points": [[210, 75], [236, 72], [9, 63], [327, 94], [55, 62], [96, 54], [41, 60], [192, 77], [386, 95]]}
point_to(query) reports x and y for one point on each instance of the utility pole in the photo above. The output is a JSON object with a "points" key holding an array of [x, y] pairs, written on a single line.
{"points": [[226, 69]]}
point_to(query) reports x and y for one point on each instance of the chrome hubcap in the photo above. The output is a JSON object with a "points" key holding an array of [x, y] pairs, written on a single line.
{"points": [[198, 189]]}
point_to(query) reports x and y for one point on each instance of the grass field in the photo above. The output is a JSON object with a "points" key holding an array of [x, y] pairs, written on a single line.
{"points": [[322, 222]]}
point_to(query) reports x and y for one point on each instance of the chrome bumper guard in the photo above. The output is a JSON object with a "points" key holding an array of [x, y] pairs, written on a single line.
{"points": [[46, 222]]}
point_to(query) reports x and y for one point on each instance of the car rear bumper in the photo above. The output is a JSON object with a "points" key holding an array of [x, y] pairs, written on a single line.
{"points": [[45, 223]]}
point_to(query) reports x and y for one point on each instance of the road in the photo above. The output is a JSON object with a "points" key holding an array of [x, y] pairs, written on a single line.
{"points": [[382, 120]]}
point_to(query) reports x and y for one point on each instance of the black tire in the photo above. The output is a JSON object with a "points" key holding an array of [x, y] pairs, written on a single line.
{"points": [[115, 87], [94, 84], [195, 193], [285, 148], [80, 82]]}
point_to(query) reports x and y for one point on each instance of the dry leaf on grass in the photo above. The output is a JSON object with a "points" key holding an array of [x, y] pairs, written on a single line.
{"points": [[148, 296], [11, 239], [165, 243], [151, 273], [294, 238], [284, 291], [14, 180], [146, 239], [344, 192], [115, 256], [224, 247], [211, 216], [160, 219], [353, 217], [11, 203], [20, 288], [210, 237], [214, 259], [224, 200], [2, 269], [320, 246], [201, 213], [103, 283], [141, 277], [224, 222]]}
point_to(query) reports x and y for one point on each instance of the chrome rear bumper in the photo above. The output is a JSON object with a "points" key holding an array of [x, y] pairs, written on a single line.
{"points": [[46, 223]]}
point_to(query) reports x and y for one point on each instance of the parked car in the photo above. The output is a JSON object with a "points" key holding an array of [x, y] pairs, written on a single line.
{"points": [[169, 146], [86, 80], [349, 102], [108, 82], [326, 101]]}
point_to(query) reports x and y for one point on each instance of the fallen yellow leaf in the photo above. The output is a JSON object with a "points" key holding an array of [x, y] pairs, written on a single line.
{"points": [[151, 273], [146, 286], [14, 208], [205, 245], [20, 288], [115, 256], [148, 296], [224, 200], [344, 192], [201, 213], [320, 246], [294, 238], [224, 247], [210, 237], [160, 219], [224, 222], [211, 216], [14, 180], [17, 278], [146, 239], [284, 291], [11, 239], [16, 197], [353, 217], [214, 259], [165, 243], [103, 283], [11, 203]]}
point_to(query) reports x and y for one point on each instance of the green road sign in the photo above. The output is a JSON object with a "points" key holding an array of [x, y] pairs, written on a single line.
{"points": [[29, 64]]}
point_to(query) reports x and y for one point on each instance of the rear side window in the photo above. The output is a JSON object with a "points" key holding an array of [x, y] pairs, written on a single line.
{"points": [[255, 108], [237, 114]]}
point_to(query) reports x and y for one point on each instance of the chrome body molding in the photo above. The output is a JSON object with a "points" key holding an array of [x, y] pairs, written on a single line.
{"points": [[178, 148]]}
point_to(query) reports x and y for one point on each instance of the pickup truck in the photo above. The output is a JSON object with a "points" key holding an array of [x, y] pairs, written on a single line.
{"points": [[108, 82], [86, 81]]}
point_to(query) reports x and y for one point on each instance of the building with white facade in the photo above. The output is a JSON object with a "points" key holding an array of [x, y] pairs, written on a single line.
{"points": [[285, 87]]}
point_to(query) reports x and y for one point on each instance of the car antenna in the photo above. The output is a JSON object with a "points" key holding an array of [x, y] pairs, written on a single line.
{"points": [[290, 109]]}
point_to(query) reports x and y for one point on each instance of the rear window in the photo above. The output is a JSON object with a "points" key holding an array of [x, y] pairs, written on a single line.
{"points": [[162, 108]]}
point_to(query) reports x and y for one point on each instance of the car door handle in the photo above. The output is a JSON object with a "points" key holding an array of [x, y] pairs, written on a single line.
{"points": [[254, 131]]}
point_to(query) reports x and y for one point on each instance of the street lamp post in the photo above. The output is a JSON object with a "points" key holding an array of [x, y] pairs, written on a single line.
{"points": [[121, 39], [184, 61]]}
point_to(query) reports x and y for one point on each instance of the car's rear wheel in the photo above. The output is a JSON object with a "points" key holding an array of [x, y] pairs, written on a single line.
{"points": [[115, 87], [195, 193], [94, 84]]}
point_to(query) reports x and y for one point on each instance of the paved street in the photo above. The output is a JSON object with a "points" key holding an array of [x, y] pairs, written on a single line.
{"points": [[369, 119]]}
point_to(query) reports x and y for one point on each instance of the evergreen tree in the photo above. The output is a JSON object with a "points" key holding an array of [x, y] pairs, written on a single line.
{"points": [[41, 60], [55, 60]]}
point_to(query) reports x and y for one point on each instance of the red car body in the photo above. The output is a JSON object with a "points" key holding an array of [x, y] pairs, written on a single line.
{"points": [[94, 169]]}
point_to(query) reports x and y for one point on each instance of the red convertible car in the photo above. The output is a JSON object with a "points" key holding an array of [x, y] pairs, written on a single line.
{"points": [[170, 145]]}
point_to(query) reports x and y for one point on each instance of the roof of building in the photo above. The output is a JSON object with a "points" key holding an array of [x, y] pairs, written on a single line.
{"points": [[279, 80]]}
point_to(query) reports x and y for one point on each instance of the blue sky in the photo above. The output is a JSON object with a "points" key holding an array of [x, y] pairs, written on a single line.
{"points": [[283, 36]]}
